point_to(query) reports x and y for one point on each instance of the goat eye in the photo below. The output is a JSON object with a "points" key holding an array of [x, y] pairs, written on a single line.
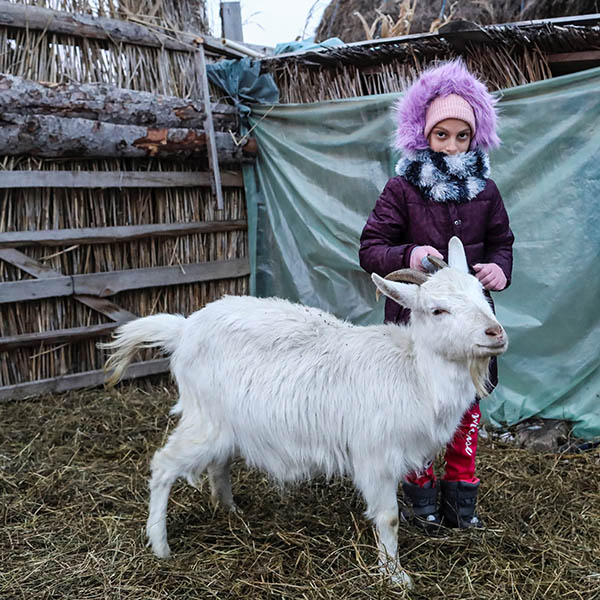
{"points": [[439, 311]]}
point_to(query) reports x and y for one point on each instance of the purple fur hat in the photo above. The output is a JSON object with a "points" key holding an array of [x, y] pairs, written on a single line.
{"points": [[449, 78]]}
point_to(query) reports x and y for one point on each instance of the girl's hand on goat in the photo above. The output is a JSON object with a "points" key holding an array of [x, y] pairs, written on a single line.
{"points": [[419, 253], [490, 275]]}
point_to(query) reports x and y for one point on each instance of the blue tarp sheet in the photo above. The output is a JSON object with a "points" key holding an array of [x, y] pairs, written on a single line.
{"points": [[321, 167]]}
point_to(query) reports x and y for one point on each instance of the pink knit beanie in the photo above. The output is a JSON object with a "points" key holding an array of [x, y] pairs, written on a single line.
{"points": [[451, 106]]}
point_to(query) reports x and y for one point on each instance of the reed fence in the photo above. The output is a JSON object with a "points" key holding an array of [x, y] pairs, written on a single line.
{"points": [[88, 243]]}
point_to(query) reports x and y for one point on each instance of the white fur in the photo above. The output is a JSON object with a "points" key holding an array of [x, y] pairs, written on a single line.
{"points": [[295, 392]]}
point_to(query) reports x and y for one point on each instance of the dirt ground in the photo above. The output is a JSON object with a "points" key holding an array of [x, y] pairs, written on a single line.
{"points": [[73, 494]]}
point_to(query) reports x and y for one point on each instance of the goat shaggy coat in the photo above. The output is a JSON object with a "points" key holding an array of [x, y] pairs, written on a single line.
{"points": [[296, 391]]}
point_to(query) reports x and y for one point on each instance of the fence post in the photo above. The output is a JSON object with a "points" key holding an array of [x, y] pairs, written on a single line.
{"points": [[231, 21], [209, 128]]}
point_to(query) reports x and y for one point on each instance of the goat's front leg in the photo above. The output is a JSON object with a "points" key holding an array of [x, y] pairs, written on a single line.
{"points": [[382, 508]]}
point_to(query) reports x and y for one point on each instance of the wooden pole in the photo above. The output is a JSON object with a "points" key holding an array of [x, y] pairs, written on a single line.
{"points": [[213, 159], [119, 233], [79, 380], [37, 18], [110, 283], [231, 21]]}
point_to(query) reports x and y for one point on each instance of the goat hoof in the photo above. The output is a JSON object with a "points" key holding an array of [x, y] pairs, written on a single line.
{"points": [[397, 576], [161, 550], [401, 579]]}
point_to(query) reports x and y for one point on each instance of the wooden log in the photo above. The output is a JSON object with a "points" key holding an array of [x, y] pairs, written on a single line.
{"points": [[110, 235], [85, 26], [102, 102], [113, 282], [58, 137], [57, 336], [114, 179], [587, 56], [79, 380], [103, 28]]}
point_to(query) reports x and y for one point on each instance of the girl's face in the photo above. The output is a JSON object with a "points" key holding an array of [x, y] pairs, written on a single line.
{"points": [[450, 136]]}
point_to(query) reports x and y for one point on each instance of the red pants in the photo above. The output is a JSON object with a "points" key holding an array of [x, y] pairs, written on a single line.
{"points": [[460, 453]]}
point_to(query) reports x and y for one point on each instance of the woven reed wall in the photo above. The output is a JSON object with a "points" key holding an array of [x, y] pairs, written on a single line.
{"points": [[509, 58], [174, 15], [48, 57], [499, 67], [54, 58]]}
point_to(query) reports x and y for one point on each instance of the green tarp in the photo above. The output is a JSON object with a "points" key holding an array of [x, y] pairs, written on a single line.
{"points": [[322, 166]]}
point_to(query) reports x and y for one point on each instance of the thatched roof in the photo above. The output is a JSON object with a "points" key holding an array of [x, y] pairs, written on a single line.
{"points": [[503, 55], [552, 36], [340, 21]]}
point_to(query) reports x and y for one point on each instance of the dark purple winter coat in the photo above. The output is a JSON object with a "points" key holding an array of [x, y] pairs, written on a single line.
{"points": [[403, 218]]}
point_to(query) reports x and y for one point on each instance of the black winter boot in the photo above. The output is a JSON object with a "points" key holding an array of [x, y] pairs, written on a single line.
{"points": [[458, 504], [423, 511]]}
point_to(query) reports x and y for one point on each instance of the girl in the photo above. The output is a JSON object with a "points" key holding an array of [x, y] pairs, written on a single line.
{"points": [[446, 122]]}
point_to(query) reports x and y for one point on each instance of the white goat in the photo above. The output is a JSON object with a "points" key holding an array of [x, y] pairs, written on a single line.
{"points": [[295, 391]]}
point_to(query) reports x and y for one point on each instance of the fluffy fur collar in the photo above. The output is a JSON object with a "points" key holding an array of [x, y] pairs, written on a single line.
{"points": [[445, 178]]}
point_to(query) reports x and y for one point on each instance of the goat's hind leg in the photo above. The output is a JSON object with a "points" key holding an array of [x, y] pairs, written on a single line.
{"points": [[220, 485], [382, 508], [182, 456]]}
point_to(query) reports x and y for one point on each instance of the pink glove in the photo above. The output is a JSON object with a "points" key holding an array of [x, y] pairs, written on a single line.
{"points": [[417, 255], [491, 276]]}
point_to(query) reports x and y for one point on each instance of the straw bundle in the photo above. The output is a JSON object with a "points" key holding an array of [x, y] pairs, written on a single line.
{"points": [[54, 58], [502, 55], [338, 20]]}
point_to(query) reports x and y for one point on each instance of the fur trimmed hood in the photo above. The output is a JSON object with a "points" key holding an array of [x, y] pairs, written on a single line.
{"points": [[449, 78]]}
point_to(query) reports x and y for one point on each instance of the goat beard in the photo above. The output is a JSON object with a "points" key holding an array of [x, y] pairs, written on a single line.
{"points": [[479, 368]]}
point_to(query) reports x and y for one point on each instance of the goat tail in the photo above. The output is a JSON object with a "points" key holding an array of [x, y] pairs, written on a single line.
{"points": [[156, 331]]}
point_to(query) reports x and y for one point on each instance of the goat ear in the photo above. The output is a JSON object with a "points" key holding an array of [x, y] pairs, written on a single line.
{"points": [[456, 255], [402, 293]]}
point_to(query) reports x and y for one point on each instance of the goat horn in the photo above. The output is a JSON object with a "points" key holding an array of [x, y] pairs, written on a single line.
{"points": [[406, 276], [438, 263]]}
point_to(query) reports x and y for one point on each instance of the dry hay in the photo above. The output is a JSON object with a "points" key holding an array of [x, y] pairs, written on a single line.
{"points": [[73, 472], [339, 18]]}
